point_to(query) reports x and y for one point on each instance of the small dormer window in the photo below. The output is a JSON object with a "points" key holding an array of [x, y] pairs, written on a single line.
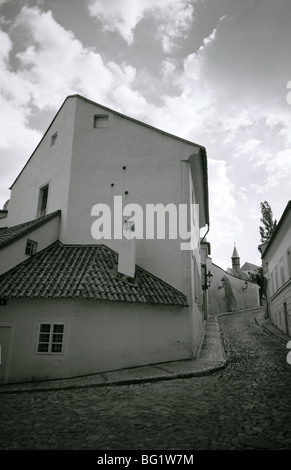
{"points": [[31, 247], [54, 138], [100, 121]]}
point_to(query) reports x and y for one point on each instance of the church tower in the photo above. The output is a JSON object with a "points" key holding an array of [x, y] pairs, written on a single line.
{"points": [[235, 260]]}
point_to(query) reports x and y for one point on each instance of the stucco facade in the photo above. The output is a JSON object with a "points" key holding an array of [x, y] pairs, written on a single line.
{"points": [[228, 293], [79, 163], [48, 165], [97, 337], [12, 254], [277, 261]]}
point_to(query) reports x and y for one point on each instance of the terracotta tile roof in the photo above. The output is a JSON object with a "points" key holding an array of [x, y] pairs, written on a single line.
{"points": [[9, 234], [84, 272]]}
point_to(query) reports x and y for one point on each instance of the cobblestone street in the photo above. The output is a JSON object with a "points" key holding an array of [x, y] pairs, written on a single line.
{"points": [[245, 406]]}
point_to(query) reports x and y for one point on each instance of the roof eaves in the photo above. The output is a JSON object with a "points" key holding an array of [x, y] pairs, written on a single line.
{"points": [[39, 222], [283, 217], [28, 260], [173, 289], [205, 178], [177, 298], [40, 141], [149, 126]]}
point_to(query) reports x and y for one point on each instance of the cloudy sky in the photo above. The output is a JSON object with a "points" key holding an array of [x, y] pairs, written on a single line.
{"points": [[216, 72]]}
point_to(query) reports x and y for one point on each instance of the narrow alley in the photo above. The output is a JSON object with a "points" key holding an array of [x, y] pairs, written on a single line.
{"points": [[247, 405]]}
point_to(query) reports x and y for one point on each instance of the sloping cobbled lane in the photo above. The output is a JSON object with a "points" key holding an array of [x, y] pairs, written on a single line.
{"points": [[247, 405]]}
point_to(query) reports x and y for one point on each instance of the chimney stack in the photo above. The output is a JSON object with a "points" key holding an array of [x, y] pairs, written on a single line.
{"points": [[127, 252]]}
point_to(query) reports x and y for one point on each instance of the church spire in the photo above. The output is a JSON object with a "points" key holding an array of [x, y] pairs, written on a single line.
{"points": [[235, 259], [235, 253]]}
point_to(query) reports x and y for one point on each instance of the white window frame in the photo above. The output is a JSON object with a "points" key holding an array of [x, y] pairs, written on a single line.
{"points": [[31, 246], [50, 343], [42, 213]]}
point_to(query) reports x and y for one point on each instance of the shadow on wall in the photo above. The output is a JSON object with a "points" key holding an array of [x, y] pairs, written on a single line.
{"points": [[231, 303], [229, 293]]}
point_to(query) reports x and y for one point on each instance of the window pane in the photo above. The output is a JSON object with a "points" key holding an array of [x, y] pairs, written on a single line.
{"points": [[56, 348], [45, 328], [43, 347], [57, 338], [44, 337], [58, 328]]}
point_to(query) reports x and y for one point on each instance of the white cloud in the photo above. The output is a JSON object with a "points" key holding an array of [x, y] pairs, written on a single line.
{"points": [[5, 45], [55, 64], [52, 65], [257, 188], [255, 214], [208, 40], [174, 17], [247, 147], [17, 140], [226, 225], [279, 168]]}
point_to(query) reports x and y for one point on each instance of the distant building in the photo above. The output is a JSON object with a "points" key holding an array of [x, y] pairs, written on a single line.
{"points": [[235, 270], [233, 289], [251, 270], [73, 305], [248, 271], [276, 258]]}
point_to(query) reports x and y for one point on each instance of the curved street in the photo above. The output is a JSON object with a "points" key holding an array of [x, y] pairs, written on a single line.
{"points": [[247, 405]]}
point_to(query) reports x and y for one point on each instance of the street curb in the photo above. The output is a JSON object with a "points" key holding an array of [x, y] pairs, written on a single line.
{"points": [[187, 375], [204, 370], [270, 333]]}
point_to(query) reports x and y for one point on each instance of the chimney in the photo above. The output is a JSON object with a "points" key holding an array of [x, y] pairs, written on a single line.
{"points": [[126, 260]]}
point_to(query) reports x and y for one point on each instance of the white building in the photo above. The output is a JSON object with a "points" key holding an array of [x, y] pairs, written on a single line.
{"points": [[276, 256], [58, 282]]}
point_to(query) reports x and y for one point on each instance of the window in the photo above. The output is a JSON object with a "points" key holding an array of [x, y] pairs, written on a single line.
{"points": [[53, 139], [42, 201], [277, 285], [289, 262], [282, 273], [50, 339], [273, 289], [31, 247], [100, 120]]}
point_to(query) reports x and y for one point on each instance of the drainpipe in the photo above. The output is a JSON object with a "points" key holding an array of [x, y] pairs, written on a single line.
{"points": [[205, 233]]}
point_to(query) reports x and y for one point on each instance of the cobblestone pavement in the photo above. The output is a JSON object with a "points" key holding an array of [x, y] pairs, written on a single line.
{"points": [[247, 405]]}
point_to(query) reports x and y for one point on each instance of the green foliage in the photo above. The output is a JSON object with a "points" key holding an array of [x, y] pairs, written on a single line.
{"points": [[269, 224]]}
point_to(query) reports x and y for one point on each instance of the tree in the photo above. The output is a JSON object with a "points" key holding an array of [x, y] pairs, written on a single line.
{"points": [[269, 224]]}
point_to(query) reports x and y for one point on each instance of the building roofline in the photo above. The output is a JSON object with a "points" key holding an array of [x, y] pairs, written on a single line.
{"points": [[118, 114], [181, 139], [232, 275], [38, 223], [137, 121], [277, 229], [100, 247]]}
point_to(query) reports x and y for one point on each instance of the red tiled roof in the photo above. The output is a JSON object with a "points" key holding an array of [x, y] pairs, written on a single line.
{"points": [[84, 272], [9, 234]]}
